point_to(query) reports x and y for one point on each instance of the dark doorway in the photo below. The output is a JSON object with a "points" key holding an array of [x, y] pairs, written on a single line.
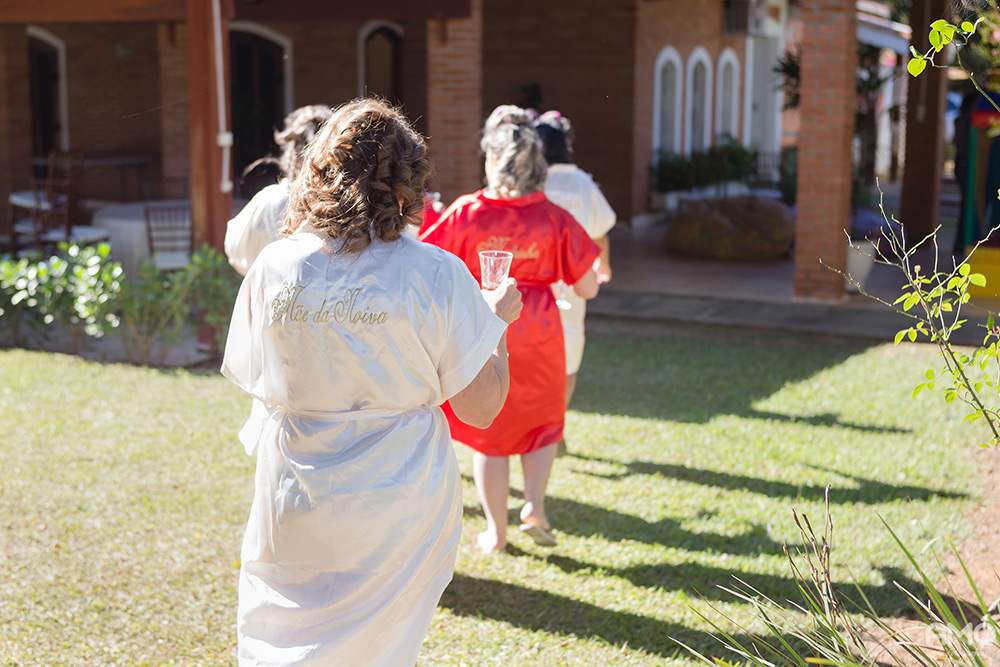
{"points": [[257, 96], [44, 74], [382, 63]]}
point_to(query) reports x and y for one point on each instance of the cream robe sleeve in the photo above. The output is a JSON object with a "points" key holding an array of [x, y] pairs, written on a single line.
{"points": [[255, 226], [242, 362], [462, 332]]}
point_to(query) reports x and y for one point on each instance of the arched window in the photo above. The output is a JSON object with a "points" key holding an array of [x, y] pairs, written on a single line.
{"points": [[49, 101], [667, 92], [379, 52], [727, 94], [698, 102]]}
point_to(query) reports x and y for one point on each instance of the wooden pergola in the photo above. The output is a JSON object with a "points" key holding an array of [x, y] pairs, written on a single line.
{"points": [[208, 67]]}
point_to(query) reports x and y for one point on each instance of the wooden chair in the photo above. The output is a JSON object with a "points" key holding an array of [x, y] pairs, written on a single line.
{"points": [[66, 167], [171, 236], [50, 221]]}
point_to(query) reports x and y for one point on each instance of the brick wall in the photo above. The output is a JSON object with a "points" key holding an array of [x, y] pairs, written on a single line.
{"points": [[580, 54], [683, 26], [413, 74], [175, 114], [455, 102], [824, 165], [15, 119], [326, 60], [114, 98]]}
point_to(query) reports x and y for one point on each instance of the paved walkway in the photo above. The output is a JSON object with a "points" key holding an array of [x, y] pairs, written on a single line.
{"points": [[650, 283]]}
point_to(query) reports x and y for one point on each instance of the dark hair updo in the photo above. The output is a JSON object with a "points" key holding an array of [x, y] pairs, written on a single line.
{"points": [[556, 133]]}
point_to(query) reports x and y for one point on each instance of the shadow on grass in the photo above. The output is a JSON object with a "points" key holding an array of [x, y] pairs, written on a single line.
{"points": [[706, 582], [869, 491], [694, 381], [576, 518], [537, 610]]}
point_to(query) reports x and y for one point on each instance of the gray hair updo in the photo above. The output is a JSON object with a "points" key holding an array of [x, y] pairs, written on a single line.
{"points": [[510, 137]]}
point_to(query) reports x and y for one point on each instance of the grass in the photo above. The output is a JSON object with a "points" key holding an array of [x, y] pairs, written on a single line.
{"points": [[124, 494]]}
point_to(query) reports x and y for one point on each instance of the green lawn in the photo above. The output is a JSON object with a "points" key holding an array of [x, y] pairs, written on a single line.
{"points": [[124, 493]]}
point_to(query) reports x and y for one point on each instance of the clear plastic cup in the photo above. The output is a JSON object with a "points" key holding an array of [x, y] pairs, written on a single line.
{"points": [[494, 267]]}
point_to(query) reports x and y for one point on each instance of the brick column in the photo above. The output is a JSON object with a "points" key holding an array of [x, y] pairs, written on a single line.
{"points": [[175, 111], [925, 104], [15, 117], [455, 102], [829, 61]]}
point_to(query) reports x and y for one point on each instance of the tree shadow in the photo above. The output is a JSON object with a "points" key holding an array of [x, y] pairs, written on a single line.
{"points": [[711, 583], [538, 610], [576, 518], [692, 381], [867, 491]]}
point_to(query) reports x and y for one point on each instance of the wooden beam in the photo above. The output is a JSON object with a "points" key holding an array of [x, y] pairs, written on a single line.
{"points": [[351, 10], [211, 205], [91, 11]]}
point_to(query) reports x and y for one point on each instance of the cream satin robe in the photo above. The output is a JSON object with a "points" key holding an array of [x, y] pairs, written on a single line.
{"points": [[256, 226], [573, 189], [357, 509]]}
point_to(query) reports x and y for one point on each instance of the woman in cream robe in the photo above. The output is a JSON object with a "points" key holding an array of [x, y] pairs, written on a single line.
{"points": [[349, 345]]}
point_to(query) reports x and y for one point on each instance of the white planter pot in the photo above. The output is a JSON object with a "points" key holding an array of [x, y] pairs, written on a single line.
{"points": [[860, 261]]}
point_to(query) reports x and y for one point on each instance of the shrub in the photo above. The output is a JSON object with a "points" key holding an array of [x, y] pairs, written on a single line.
{"points": [[74, 289], [17, 296], [727, 160], [153, 308], [217, 283]]}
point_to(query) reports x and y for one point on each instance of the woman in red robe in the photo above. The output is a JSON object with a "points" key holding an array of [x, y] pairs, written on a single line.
{"points": [[548, 245]]}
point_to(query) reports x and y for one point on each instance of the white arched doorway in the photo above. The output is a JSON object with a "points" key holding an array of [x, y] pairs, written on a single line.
{"points": [[49, 98], [261, 66]]}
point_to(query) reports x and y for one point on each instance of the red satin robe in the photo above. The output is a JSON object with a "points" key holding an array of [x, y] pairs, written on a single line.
{"points": [[548, 246]]}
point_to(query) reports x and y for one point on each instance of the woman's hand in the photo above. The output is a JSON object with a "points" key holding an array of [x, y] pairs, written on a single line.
{"points": [[505, 301]]}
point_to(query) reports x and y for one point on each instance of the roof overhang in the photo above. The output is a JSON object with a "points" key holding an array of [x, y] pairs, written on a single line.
{"points": [[883, 33], [113, 11]]}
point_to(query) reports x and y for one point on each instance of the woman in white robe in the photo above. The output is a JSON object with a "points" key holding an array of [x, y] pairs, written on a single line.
{"points": [[258, 223], [349, 336], [573, 189]]}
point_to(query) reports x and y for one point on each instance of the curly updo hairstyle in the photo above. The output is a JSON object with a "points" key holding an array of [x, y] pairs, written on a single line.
{"points": [[300, 127], [362, 177], [509, 136]]}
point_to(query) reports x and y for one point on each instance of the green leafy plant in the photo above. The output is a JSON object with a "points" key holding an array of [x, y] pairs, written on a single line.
{"points": [[727, 160], [74, 288], [216, 287], [933, 298], [18, 305], [153, 309]]}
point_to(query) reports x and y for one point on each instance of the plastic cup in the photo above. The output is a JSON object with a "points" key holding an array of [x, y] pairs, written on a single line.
{"points": [[494, 267]]}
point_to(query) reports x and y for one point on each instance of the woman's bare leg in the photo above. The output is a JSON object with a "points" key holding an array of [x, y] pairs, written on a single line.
{"points": [[492, 476], [537, 465]]}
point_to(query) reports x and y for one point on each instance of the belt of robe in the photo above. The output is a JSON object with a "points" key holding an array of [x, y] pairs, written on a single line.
{"points": [[262, 415]]}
